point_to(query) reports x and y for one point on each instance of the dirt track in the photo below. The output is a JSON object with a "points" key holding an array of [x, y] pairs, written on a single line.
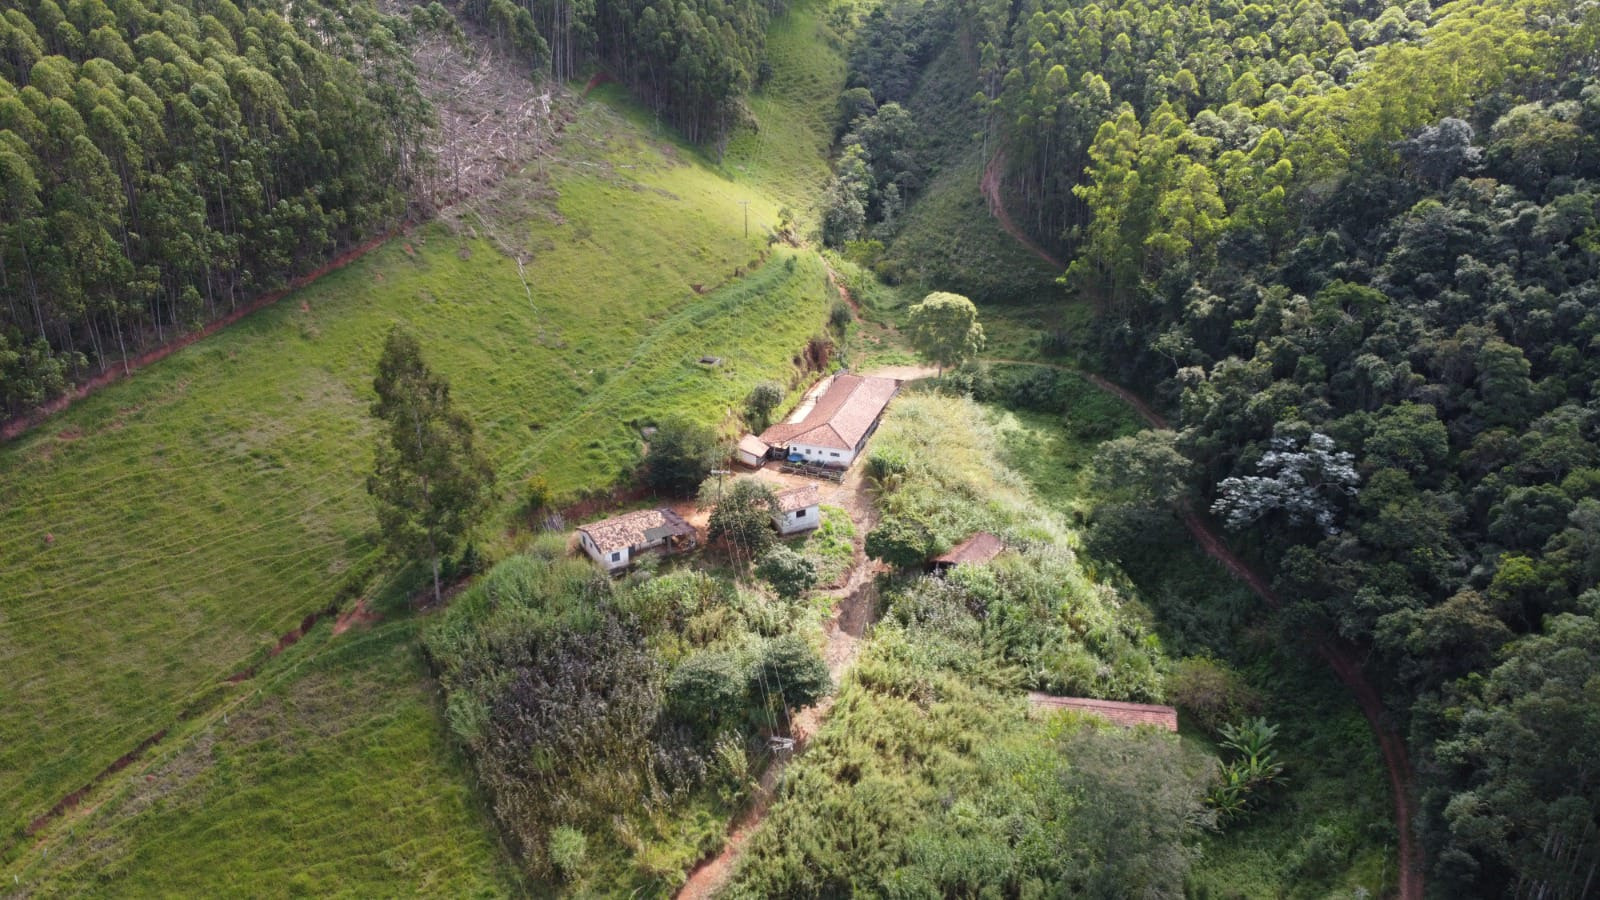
{"points": [[854, 603], [1341, 656]]}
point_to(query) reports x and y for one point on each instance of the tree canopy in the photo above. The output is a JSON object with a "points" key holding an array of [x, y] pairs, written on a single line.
{"points": [[431, 481], [161, 162], [945, 329]]}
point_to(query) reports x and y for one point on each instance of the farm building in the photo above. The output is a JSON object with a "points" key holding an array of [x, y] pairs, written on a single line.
{"points": [[836, 426], [798, 510], [1127, 715], [752, 451], [614, 542], [976, 550]]}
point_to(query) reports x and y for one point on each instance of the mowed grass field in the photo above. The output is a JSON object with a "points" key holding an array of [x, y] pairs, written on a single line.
{"points": [[162, 534], [307, 788]]}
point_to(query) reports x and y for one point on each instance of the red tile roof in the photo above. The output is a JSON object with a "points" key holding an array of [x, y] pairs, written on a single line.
{"points": [[980, 548], [841, 417], [803, 497], [1124, 714]]}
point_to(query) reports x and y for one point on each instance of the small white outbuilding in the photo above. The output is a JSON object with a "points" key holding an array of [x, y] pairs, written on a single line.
{"points": [[752, 451], [798, 509], [614, 542]]}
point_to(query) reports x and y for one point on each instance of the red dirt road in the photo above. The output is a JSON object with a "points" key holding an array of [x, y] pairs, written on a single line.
{"points": [[1340, 655]]}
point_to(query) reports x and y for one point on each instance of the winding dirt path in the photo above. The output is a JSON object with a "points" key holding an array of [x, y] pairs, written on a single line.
{"points": [[992, 174], [1340, 655], [853, 608]]}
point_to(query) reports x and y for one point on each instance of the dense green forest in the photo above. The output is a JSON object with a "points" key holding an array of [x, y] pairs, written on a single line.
{"points": [[691, 60], [163, 162], [1353, 250]]}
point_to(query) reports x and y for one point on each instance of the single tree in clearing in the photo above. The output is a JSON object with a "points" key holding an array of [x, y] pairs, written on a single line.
{"points": [[945, 329], [431, 481]]}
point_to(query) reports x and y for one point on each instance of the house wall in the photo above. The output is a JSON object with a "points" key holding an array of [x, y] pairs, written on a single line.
{"points": [[750, 459], [830, 456], [604, 559], [798, 520]]}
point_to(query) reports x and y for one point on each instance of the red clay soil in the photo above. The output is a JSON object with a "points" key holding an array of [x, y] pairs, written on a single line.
{"points": [[855, 602], [360, 614], [997, 208], [597, 79], [715, 872], [70, 801], [1340, 655], [118, 371]]}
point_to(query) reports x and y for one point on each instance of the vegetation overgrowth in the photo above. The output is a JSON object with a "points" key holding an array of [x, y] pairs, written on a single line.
{"points": [[1369, 307], [929, 776], [215, 500], [1349, 248], [1328, 829], [632, 714]]}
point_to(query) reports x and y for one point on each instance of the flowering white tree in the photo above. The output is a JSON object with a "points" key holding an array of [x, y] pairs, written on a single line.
{"points": [[1299, 481]]}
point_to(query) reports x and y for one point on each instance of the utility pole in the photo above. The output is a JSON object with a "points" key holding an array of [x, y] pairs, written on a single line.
{"points": [[746, 205]]}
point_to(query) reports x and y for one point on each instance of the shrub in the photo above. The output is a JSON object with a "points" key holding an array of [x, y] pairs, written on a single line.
{"points": [[536, 493], [760, 402], [789, 573], [841, 315], [1211, 692], [743, 518], [900, 542], [568, 847], [681, 455], [792, 670], [706, 688]]}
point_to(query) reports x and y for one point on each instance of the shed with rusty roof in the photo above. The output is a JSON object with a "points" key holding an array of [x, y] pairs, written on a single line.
{"points": [[614, 542], [1128, 715]]}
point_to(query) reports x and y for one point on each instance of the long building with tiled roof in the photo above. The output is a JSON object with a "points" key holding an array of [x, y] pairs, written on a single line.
{"points": [[837, 426]]}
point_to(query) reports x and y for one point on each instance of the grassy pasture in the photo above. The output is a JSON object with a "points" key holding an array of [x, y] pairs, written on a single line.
{"points": [[307, 787], [159, 536], [786, 153]]}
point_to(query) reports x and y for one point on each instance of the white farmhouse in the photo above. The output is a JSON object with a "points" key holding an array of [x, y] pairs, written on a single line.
{"points": [[835, 429], [614, 542], [798, 510]]}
